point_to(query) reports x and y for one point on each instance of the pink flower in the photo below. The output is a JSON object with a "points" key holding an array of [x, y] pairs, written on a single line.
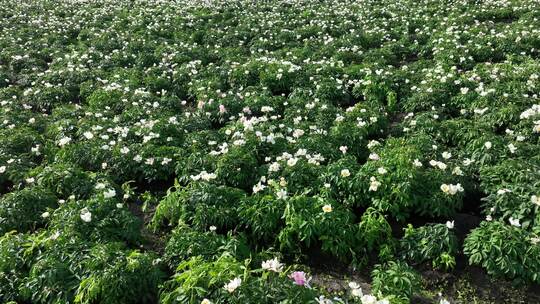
{"points": [[299, 278], [222, 109]]}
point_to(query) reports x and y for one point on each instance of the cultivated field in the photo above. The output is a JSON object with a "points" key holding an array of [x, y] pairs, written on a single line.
{"points": [[301, 151]]}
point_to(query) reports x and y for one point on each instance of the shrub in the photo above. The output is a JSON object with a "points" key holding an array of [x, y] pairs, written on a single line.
{"points": [[199, 205], [504, 251], [307, 224], [119, 276], [185, 242], [22, 210], [106, 221], [395, 279], [435, 243]]}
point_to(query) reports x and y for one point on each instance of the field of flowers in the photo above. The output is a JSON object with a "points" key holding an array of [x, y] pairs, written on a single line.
{"points": [[222, 151]]}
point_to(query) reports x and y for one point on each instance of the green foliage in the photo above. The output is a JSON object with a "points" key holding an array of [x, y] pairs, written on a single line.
{"points": [[200, 205], [118, 276], [196, 278], [109, 221], [395, 279], [306, 224], [403, 187], [23, 210], [436, 243], [307, 130], [504, 251], [185, 242], [14, 264], [374, 229]]}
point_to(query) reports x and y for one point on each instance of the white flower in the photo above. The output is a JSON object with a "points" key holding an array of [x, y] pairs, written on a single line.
{"points": [[272, 265], [535, 200], [481, 111], [124, 150], [258, 187], [281, 194], [100, 186], [354, 285], [445, 188], [206, 301], [35, 150], [274, 167], [86, 216], [298, 132], [512, 148], [233, 284], [373, 143], [212, 228], [109, 193], [457, 171], [368, 299], [345, 173], [488, 145], [203, 176], [374, 156], [456, 188], [381, 170], [45, 214], [55, 235], [327, 208], [30, 180], [292, 161], [323, 300], [64, 141], [451, 189], [446, 155], [444, 301], [514, 222], [208, 176], [2, 169], [343, 149], [374, 184], [357, 293], [417, 163], [88, 135], [503, 191], [450, 224]]}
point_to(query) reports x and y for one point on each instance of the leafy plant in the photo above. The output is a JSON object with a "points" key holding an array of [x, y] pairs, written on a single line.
{"points": [[504, 251], [395, 279], [436, 243]]}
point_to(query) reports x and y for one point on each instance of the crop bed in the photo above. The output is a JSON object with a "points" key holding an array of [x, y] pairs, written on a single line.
{"points": [[240, 151]]}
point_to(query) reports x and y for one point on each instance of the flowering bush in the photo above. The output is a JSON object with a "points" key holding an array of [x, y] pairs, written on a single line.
{"points": [[309, 221]]}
